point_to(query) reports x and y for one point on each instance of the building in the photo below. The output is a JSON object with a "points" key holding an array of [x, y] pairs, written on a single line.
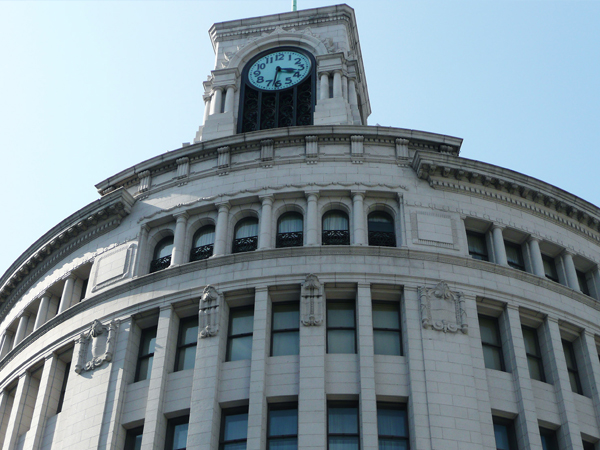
{"points": [[298, 279]]}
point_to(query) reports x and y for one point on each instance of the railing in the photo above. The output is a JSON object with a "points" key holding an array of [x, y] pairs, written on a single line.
{"points": [[203, 252], [336, 237], [247, 244], [382, 238], [293, 239], [160, 263]]}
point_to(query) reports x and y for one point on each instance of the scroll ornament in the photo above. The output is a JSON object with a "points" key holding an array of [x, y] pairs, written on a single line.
{"points": [[208, 314], [102, 339], [443, 309], [311, 304]]}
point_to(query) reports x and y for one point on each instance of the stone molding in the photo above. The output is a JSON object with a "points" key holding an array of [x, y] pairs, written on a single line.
{"points": [[102, 339], [208, 312], [312, 149], [266, 152], [311, 301], [183, 167], [145, 181], [443, 309], [357, 149]]}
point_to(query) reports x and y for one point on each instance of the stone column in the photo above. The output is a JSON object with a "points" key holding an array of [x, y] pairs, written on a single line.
{"points": [[5, 406], [6, 343], [324, 86], [257, 404], [229, 97], [352, 96], [206, 108], [337, 84], [221, 229], [14, 420], [155, 423], [590, 368], [264, 241], [141, 251], [572, 280], [217, 101], [177, 257], [345, 87], [312, 218], [595, 282], [499, 249], [358, 212], [21, 328], [42, 315], [368, 399], [67, 294], [536, 257]]}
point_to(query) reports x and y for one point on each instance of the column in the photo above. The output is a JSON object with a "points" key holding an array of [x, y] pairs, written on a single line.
{"points": [[155, 424], [257, 404], [42, 315], [352, 96], [570, 271], [21, 328], [221, 229], [337, 84], [179, 239], [229, 97], [67, 294], [5, 408], [358, 212], [324, 86], [6, 344], [206, 108], [595, 282], [141, 251], [264, 240], [590, 368], [569, 435], [527, 427], [216, 102], [499, 249], [368, 398], [14, 420], [312, 218], [34, 437], [536, 257], [345, 87]]}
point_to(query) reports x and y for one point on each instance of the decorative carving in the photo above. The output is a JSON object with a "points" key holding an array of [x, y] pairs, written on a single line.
{"points": [[208, 314], [443, 309], [223, 160], [311, 304], [402, 148], [312, 149], [145, 180], [357, 150], [266, 152], [102, 338], [183, 167]]}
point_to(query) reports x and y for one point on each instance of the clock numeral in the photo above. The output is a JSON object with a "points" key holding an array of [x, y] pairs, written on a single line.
{"points": [[288, 80], [257, 73], [296, 75], [279, 57], [260, 80], [301, 66], [262, 66], [277, 83], [298, 61], [269, 82]]}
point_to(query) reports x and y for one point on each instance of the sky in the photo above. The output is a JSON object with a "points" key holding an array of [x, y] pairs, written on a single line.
{"points": [[89, 88]]}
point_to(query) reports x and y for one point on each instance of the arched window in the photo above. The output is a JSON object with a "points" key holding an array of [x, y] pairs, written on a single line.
{"points": [[162, 254], [289, 230], [246, 235], [381, 229], [203, 243], [335, 228]]}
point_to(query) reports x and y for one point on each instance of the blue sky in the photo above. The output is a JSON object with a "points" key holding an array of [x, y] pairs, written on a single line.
{"points": [[88, 88]]}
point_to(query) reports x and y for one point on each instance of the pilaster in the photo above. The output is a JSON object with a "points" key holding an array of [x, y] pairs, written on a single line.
{"points": [[536, 256], [312, 218], [14, 421], [570, 271], [358, 213], [264, 241], [221, 229], [21, 328], [42, 315], [66, 298], [177, 256], [499, 248]]}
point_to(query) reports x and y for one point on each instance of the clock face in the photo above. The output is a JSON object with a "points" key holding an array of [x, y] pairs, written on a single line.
{"points": [[279, 70]]}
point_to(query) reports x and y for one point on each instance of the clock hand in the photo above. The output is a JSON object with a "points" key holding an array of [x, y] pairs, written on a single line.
{"points": [[277, 70]]}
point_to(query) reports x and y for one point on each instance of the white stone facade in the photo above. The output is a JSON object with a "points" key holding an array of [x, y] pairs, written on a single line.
{"points": [[83, 296]]}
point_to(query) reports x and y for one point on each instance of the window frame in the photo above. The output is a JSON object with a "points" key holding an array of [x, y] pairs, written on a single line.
{"points": [[394, 406], [180, 346], [550, 260], [131, 436], [519, 248], [538, 358], [386, 235], [161, 263], [583, 283], [329, 328], [568, 347], [141, 357], [488, 344], [231, 337], [327, 236], [63, 388], [170, 435], [397, 330], [248, 243], [280, 407], [550, 434], [283, 330], [344, 404], [510, 432], [475, 255], [202, 252], [232, 412], [290, 238]]}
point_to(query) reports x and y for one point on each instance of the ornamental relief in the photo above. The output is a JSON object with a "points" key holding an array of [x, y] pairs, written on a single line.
{"points": [[208, 313], [443, 309], [96, 345], [311, 301]]}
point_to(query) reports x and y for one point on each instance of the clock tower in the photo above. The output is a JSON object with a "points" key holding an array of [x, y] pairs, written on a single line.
{"points": [[292, 69]]}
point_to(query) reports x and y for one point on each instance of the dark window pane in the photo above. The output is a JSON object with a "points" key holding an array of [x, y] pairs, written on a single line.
{"points": [[188, 331], [386, 342], [236, 427], [477, 246], [242, 321], [246, 228], [180, 433], [392, 444], [286, 316], [284, 444], [574, 380], [536, 371], [283, 422], [186, 358], [148, 341], [583, 285], [492, 358], [133, 441], [386, 315], [343, 443], [530, 338], [204, 236], [514, 255], [290, 223], [144, 369], [286, 343], [239, 348], [550, 268], [335, 220], [392, 422], [235, 446], [343, 420], [163, 248], [489, 331], [502, 438], [341, 341], [340, 315]]}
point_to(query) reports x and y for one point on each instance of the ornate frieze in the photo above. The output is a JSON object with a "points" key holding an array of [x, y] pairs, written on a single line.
{"points": [[96, 345], [208, 314], [311, 303], [443, 309]]}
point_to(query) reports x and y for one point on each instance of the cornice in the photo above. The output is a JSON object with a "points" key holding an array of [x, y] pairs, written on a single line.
{"points": [[85, 225]]}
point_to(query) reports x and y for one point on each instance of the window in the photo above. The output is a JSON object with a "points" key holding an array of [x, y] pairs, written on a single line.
{"points": [[588, 446], [534, 355], [282, 427], [239, 336], [285, 339], [550, 268], [335, 228], [203, 243], [289, 230], [84, 285], [246, 235], [583, 284], [392, 427], [146, 354], [63, 388], [491, 343], [133, 441], [386, 328], [549, 441], [341, 327], [381, 229], [477, 246], [186, 344], [177, 432], [162, 254], [342, 426], [505, 434], [572, 367], [514, 255], [234, 429]]}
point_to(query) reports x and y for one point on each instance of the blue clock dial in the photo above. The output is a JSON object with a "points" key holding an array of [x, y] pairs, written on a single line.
{"points": [[279, 70]]}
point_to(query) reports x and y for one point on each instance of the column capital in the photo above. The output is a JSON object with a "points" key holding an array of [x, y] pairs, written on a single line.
{"points": [[358, 194], [231, 86], [324, 73], [338, 71], [363, 285], [223, 206], [181, 216], [309, 194], [552, 319], [510, 306], [498, 226], [262, 288], [218, 88], [206, 98], [533, 238], [25, 314], [266, 198], [168, 307], [567, 252]]}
